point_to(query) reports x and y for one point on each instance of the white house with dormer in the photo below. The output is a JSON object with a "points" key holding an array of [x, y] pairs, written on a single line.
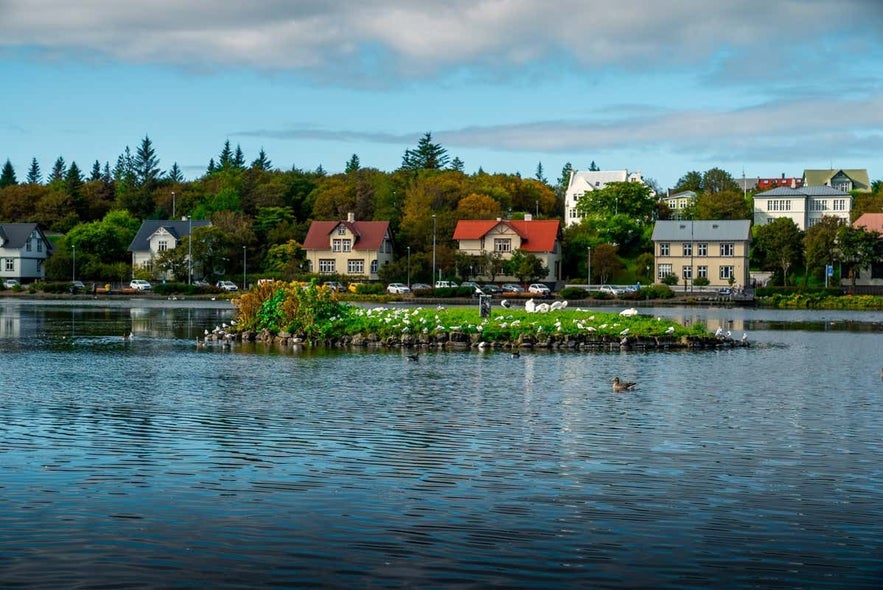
{"points": [[805, 206], [23, 251], [586, 181], [156, 236]]}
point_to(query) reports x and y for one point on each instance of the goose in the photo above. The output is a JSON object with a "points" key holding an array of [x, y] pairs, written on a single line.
{"points": [[622, 385]]}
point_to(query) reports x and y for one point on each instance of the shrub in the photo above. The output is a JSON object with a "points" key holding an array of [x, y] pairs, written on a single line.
{"points": [[670, 279], [574, 293], [701, 282]]}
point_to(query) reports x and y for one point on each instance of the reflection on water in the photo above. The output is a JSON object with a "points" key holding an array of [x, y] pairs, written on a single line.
{"points": [[151, 463]]}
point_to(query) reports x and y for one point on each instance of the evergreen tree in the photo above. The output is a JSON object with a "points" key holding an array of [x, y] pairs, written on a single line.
{"points": [[427, 155], [353, 165], [238, 158], [146, 165], [106, 176], [58, 170], [34, 176], [175, 174], [211, 166], [593, 167], [96, 171], [456, 165], [73, 183], [539, 175], [7, 177], [262, 162], [225, 158]]}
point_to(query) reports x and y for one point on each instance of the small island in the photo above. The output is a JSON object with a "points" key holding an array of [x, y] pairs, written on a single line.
{"points": [[289, 314]]}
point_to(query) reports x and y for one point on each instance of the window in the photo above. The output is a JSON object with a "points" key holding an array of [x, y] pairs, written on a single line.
{"points": [[702, 271], [839, 204], [819, 205], [728, 249], [701, 249], [336, 245], [10, 264], [30, 244], [664, 271], [779, 205], [726, 272], [688, 249], [502, 245], [162, 246], [347, 245], [341, 230], [687, 272], [355, 266], [374, 267], [663, 250], [326, 265], [39, 245]]}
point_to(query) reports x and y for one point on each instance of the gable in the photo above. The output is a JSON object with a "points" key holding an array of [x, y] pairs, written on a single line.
{"points": [[536, 235], [367, 235]]}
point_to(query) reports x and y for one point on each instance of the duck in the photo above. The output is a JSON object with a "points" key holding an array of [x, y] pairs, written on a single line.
{"points": [[515, 354], [414, 357], [622, 385]]}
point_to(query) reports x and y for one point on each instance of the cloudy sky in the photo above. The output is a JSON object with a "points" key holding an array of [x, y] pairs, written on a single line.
{"points": [[761, 86]]}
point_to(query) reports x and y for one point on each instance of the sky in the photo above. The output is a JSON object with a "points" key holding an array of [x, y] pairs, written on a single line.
{"points": [[755, 87]]}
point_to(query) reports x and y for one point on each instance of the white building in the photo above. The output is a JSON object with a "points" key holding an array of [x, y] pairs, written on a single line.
{"points": [[586, 181], [804, 206]]}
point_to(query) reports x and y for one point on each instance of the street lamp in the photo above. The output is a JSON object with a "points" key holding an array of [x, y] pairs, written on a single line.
{"points": [[589, 267], [74, 269], [409, 267], [189, 249], [173, 205], [244, 270], [433, 248]]}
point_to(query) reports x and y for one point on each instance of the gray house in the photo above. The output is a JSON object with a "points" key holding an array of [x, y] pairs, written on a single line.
{"points": [[156, 236], [23, 251]]}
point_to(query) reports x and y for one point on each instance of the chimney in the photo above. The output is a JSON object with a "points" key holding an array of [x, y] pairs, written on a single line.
{"points": [[351, 217]]}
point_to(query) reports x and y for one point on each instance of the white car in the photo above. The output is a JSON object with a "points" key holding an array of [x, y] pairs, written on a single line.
{"points": [[445, 285], [227, 286], [539, 289], [140, 285], [611, 290], [10, 283], [397, 288]]}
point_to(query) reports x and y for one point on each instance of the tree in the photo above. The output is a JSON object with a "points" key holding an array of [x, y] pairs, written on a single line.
{"points": [[175, 174], [716, 180], [262, 162], [779, 245], [96, 171], [493, 265], [146, 165], [691, 181], [605, 261], [238, 158], [820, 244], [539, 174], [593, 167], [225, 158], [526, 267], [859, 248], [721, 205], [475, 206], [633, 199], [58, 170], [352, 165], [34, 176], [427, 155], [7, 176], [457, 165]]}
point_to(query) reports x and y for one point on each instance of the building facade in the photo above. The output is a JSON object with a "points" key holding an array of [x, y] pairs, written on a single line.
{"points": [[23, 252], [481, 238], [357, 249], [711, 249], [585, 181], [804, 206], [154, 237], [846, 180]]}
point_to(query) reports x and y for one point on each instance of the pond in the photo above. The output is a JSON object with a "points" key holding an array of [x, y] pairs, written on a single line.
{"points": [[146, 462]]}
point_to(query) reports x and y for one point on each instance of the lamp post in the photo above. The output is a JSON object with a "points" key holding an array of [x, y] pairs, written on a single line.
{"points": [[589, 268], [174, 216], [189, 249], [244, 271], [74, 268], [433, 249], [409, 267]]}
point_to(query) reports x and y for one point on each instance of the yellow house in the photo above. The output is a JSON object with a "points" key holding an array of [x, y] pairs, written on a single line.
{"points": [[355, 248], [713, 249]]}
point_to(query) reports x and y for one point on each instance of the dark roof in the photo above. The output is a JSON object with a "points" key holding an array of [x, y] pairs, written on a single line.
{"points": [[15, 235], [369, 235], [178, 228], [805, 191]]}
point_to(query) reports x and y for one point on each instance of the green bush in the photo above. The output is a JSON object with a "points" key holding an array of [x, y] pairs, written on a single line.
{"points": [[370, 289], [701, 282], [574, 293], [670, 279]]}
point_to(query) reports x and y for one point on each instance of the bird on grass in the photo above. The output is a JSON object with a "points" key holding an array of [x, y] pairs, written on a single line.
{"points": [[414, 357], [622, 385]]}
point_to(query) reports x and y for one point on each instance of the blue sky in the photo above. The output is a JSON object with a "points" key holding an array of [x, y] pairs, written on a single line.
{"points": [[768, 87]]}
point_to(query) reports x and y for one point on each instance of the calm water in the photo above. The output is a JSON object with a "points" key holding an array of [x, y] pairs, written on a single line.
{"points": [[149, 463]]}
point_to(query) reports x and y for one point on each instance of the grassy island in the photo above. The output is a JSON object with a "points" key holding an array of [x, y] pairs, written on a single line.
{"points": [[291, 313]]}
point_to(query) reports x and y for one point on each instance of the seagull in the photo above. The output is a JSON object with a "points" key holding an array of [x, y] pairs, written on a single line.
{"points": [[745, 337], [629, 312], [718, 333], [414, 357], [624, 332], [670, 330], [622, 385], [505, 303]]}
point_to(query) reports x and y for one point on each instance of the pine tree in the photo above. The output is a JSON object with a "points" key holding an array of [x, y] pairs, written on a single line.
{"points": [[96, 171], [146, 164], [175, 174], [34, 176], [238, 158], [539, 175], [7, 177], [353, 165], [73, 182], [262, 162], [225, 158], [427, 155], [594, 167], [58, 170], [457, 165], [211, 166]]}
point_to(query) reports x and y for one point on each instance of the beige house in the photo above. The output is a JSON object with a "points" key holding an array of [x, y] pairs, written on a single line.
{"points": [[804, 206], [540, 238], [354, 248], [712, 249]]}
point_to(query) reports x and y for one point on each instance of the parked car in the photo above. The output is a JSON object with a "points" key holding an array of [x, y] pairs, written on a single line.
{"points": [[10, 283], [201, 283], [470, 284], [397, 288], [539, 289], [491, 289], [334, 286], [227, 286], [512, 288], [445, 284], [420, 286], [140, 285], [611, 290], [77, 286]]}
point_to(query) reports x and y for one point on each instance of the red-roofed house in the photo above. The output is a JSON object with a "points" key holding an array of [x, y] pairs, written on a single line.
{"points": [[537, 237], [869, 280], [355, 248], [870, 221]]}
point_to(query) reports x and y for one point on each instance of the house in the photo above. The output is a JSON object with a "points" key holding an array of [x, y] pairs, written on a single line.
{"points": [[156, 236], [765, 184], [585, 181], [355, 248], [677, 202], [537, 237], [846, 180], [869, 280], [713, 249], [23, 251], [804, 206]]}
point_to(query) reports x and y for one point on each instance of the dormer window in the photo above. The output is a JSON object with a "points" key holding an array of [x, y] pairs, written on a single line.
{"points": [[341, 230]]}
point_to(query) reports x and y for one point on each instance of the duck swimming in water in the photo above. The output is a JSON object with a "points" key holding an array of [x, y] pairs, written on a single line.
{"points": [[622, 385]]}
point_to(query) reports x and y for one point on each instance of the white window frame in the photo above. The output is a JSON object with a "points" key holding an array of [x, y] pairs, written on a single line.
{"points": [[326, 265], [355, 266], [727, 272], [664, 249], [663, 270], [728, 249], [502, 244]]}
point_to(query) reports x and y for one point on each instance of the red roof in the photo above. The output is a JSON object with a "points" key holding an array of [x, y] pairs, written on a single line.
{"points": [[369, 235], [870, 221], [536, 235]]}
